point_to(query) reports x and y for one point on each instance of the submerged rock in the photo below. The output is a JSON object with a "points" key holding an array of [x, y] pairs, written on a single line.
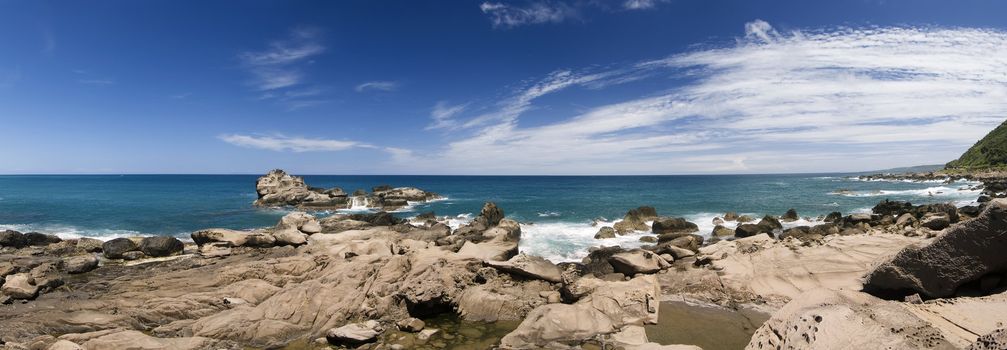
{"points": [[605, 232], [673, 225]]}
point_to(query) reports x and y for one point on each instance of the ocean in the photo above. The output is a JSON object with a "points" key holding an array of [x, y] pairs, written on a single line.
{"points": [[558, 213]]}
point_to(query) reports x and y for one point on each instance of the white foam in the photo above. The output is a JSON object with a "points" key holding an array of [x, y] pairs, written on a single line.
{"points": [[566, 241], [934, 191], [72, 232], [548, 214]]}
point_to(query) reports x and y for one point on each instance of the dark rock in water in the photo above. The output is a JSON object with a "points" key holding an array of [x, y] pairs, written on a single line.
{"points": [[427, 216], [641, 214], [721, 231], [492, 214], [893, 208], [790, 215], [768, 225], [860, 218], [40, 239], [648, 239], [381, 188], [359, 192], [379, 219], [731, 216], [158, 246], [964, 253], [681, 240], [11, 238], [116, 248], [938, 208], [605, 232], [673, 225], [834, 217]]}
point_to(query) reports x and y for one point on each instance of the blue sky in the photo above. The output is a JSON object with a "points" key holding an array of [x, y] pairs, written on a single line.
{"points": [[496, 87]]}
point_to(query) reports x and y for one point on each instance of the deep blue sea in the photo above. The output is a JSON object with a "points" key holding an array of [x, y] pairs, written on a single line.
{"points": [[557, 212]]}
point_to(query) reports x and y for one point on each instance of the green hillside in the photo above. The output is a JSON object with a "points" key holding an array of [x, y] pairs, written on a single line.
{"points": [[989, 152]]}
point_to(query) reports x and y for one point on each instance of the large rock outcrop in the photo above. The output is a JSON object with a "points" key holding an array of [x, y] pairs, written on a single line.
{"points": [[964, 253], [277, 188]]}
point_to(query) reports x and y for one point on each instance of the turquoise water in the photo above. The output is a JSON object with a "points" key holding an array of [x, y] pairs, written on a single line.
{"points": [[557, 211]]}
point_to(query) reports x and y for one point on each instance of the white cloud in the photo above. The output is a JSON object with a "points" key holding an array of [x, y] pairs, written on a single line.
{"points": [[508, 16], [640, 4], [279, 66], [443, 115], [291, 144], [377, 86], [817, 100]]}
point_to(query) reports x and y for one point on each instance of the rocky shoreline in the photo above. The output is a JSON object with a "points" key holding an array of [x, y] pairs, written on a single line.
{"points": [[906, 276]]}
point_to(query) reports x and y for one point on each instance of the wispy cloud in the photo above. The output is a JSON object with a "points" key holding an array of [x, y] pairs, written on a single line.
{"points": [[283, 143], [378, 86], [279, 65], [443, 115], [97, 82], [641, 4], [811, 100], [509, 16]]}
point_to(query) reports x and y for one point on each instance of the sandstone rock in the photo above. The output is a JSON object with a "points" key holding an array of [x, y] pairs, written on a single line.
{"points": [[289, 237], [233, 238], [135, 340], [679, 253], [115, 248], [608, 308], [996, 340], [964, 253], [673, 225], [215, 250], [489, 251], [89, 245], [529, 266], [637, 262], [299, 221], [80, 264], [491, 213], [20, 286], [824, 319], [410, 324], [605, 232], [355, 333], [648, 239], [336, 226], [158, 246], [906, 219], [64, 345]]}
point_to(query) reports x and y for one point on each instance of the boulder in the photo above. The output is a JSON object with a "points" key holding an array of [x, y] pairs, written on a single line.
{"points": [[767, 225], [673, 225], [907, 219], [289, 237], [158, 246], [721, 231], [636, 220], [20, 286], [893, 208], [355, 333], [133, 255], [64, 345], [648, 239], [596, 262], [637, 262], [11, 238], [964, 253], [491, 213], [935, 222], [489, 251], [679, 253], [731, 216], [410, 324], [624, 227], [80, 264], [116, 248], [40, 239], [233, 238], [605, 232], [833, 217], [529, 266], [790, 215]]}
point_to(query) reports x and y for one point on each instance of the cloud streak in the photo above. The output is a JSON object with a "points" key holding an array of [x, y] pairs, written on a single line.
{"points": [[377, 86], [281, 143], [279, 65], [835, 99], [510, 16]]}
